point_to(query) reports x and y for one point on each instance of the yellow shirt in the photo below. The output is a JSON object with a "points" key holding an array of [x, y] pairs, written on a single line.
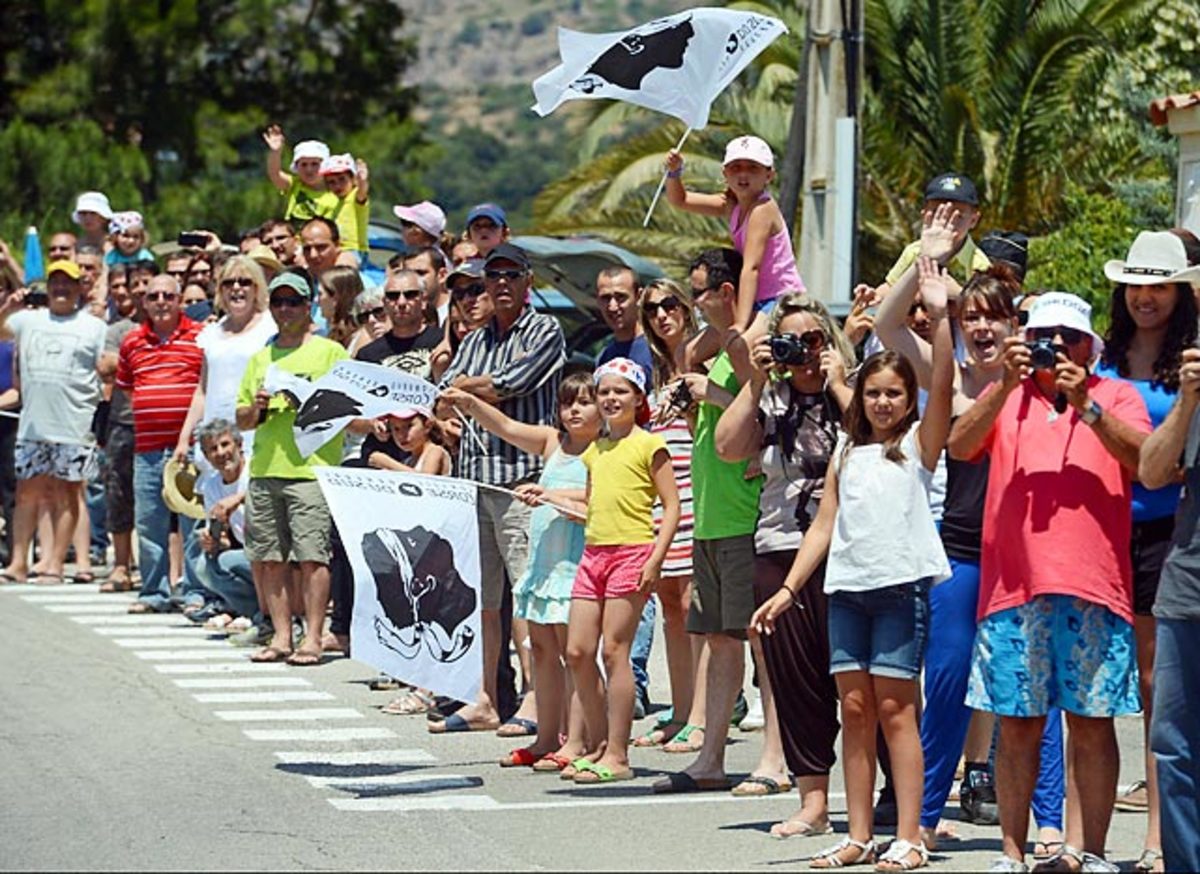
{"points": [[351, 218], [962, 266], [622, 489], [304, 203]]}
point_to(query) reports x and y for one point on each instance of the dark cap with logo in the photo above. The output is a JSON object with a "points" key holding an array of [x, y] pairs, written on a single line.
{"points": [[1008, 247], [508, 252], [952, 186]]}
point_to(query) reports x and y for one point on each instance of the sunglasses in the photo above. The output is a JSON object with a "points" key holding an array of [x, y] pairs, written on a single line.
{"points": [[407, 294], [698, 293], [294, 301], [237, 282], [178, 274], [1070, 336], [813, 339], [473, 290], [510, 275], [378, 314], [668, 304], [165, 296]]}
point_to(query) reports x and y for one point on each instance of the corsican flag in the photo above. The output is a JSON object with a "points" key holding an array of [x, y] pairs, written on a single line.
{"points": [[676, 65]]}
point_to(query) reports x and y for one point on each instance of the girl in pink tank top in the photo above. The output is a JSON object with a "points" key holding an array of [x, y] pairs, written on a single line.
{"points": [[759, 233]]}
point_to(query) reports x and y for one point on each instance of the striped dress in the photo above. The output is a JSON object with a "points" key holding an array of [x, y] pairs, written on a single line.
{"points": [[678, 562]]}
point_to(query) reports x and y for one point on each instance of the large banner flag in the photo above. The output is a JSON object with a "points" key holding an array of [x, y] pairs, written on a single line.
{"points": [[413, 544], [676, 65], [351, 390]]}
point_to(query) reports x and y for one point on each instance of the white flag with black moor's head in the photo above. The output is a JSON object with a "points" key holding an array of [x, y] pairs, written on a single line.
{"points": [[350, 390], [413, 544], [676, 65]]}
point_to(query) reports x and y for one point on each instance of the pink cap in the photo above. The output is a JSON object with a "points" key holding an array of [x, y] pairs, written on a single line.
{"points": [[128, 220], [425, 215], [408, 413]]}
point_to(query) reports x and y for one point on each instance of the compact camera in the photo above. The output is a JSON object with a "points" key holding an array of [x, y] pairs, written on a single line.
{"points": [[790, 349], [1043, 354]]}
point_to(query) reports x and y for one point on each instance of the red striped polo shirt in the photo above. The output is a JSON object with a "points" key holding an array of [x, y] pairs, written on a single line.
{"points": [[162, 375]]}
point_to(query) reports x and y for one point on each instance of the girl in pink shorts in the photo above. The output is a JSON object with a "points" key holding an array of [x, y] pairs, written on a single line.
{"points": [[628, 468]]}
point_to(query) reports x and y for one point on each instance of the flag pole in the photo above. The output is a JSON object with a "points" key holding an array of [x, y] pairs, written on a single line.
{"points": [[663, 181]]}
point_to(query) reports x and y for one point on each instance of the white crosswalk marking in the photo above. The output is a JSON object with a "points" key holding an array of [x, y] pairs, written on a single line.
{"points": [[441, 802], [318, 735], [109, 607], [177, 632], [423, 782], [80, 588], [239, 682], [186, 655], [222, 668], [262, 697], [84, 598], [168, 619], [177, 641], [356, 757], [300, 714]]}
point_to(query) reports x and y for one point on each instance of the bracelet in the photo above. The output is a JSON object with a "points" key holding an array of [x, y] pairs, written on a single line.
{"points": [[796, 602], [674, 174]]}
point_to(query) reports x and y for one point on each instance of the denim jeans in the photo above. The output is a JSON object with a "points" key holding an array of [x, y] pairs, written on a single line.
{"points": [[95, 500], [152, 521], [1175, 740], [229, 580], [639, 653]]}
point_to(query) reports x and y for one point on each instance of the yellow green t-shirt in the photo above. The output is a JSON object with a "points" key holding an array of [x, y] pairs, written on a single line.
{"points": [[304, 203], [275, 453], [351, 218], [962, 266], [622, 489]]}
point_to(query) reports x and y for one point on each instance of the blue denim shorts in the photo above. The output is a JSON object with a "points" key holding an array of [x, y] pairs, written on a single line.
{"points": [[1055, 651], [882, 631]]}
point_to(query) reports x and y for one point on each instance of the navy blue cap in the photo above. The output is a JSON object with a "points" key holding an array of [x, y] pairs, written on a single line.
{"points": [[952, 186], [487, 210]]}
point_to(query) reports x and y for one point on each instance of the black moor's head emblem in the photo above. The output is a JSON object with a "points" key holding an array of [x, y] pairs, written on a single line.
{"points": [[637, 55], [421, 593], [323, 407]]}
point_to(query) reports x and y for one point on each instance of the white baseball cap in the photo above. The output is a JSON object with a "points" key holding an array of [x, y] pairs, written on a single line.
{"points": [[426, 215], [1156, 257], [334, 164], [92, 201], [309, 149], [749, 148], [1058, 309]]}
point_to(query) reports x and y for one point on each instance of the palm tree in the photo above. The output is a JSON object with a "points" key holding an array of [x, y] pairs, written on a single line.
{"points": [[986, 87]]}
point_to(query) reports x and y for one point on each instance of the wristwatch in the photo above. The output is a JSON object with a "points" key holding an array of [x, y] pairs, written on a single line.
{"points": [[1091, 413]]}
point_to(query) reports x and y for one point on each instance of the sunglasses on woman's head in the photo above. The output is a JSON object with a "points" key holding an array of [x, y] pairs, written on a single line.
{"points": [[668, 304], [473, 290], [1070, 336]]}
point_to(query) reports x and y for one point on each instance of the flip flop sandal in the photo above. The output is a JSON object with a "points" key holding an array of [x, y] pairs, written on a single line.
{"points": [[141, 607], [658, 735], [522, 758], [1044, 851], [48, 579], [84, 578], [799, 828], [412, 703], [301, 659], [1148, 860], [682, 742], [552, 763], [681, 783], [758, 787], [7, 579], [594, 774], [455, 724], [271, 654], [577, 765], [520, 726], [111, 586]]}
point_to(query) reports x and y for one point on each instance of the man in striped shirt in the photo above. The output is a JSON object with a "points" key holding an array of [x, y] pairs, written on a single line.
{"points": [[513, 362], [159, 365]]}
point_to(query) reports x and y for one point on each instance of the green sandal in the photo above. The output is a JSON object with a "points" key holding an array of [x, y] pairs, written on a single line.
{"points": [[659, 735], [592, 773], [682, 742]]}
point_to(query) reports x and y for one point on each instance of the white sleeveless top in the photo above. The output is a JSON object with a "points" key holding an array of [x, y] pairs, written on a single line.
{"points": [[884, 533]]}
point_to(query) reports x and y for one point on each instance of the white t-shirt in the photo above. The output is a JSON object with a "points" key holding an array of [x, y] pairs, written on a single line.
{"points": [[57, 358], [884, 533], [212, 488], [225, 358]]}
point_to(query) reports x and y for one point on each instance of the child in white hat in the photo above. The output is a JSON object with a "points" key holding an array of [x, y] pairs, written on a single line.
{"points": [[304, 188]]}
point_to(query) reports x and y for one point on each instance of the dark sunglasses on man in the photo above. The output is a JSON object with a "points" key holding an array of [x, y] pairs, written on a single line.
{"points": [[407, 294], [510, 275], [473, 290]]}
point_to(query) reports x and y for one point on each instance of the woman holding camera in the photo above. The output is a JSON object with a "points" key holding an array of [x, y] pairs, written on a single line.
{"points": [[787, 416], [986, 317], [1153, 319]]}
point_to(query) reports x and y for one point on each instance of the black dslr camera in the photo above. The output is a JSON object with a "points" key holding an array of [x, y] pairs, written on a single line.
{"points": [[1043, 354], [790, 349]]}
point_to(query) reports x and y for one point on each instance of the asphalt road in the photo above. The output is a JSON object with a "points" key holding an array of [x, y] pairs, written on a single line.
{"points": [[142, 743]]}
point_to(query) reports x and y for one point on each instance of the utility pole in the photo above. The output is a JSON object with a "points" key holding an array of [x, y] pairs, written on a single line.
{"points": [[832, 84]]}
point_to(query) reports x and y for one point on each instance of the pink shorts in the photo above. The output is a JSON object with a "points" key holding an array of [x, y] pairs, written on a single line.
{"points": [[610, 571]]}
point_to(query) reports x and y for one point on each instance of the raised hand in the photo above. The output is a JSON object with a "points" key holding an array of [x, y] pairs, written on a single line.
{"points": [[934, 283], [674, 161], [273, 137], [942, 232]]}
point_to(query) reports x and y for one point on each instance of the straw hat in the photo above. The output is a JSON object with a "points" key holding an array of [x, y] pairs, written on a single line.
{"points": [[179, 489]]}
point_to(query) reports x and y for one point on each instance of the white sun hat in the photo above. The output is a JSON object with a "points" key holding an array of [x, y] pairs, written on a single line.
{"points": [[92, 201], [1058, 309], [309, 149], [1156, 257]]}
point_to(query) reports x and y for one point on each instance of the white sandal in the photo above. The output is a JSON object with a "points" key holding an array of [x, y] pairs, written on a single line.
{"points": [[897, 855], [831, 858]]}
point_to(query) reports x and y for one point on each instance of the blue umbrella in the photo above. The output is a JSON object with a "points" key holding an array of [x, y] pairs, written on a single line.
{"points": [[35, 266]]}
